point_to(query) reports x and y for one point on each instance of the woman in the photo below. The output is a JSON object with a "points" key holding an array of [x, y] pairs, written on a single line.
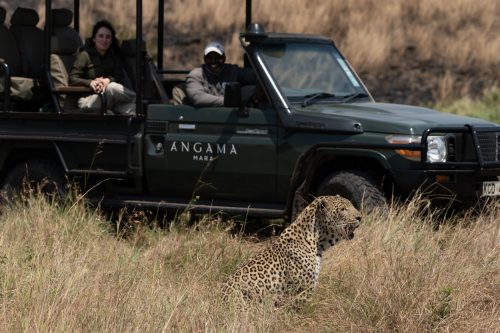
{"points": [[99, 67]]}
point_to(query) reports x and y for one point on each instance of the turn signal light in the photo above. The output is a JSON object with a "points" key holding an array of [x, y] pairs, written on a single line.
{"points": [[413, 155], [442, 178]]}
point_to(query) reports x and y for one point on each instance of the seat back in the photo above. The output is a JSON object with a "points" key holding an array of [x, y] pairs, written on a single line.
{"points": [[9, 51], [153, 88], [12, 84], [128, 52], [61, 21], [63, 54], [30, 40], [62, 57], [179, 94]]}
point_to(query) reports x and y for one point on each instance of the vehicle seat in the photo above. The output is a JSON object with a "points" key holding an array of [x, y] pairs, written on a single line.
{"points": [[9, 52], [153, 88], [62, 57], [65, 97], [61, 20], [10, 67], [30, 40], [129, 56], [179, 94]]}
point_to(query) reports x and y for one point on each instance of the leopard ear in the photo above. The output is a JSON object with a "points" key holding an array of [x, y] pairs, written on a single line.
{"points": [[321, 210], [323, 201], [321, 205]]}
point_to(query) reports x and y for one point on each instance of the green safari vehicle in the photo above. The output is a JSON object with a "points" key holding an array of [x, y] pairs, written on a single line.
{"points": [[307, 127]]}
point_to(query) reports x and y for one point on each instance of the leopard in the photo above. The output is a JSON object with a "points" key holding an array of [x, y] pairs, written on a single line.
{"points": [[287, 271]]}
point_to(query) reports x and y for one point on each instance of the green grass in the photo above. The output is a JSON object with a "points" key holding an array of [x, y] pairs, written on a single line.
{"points": [[487, 107]]}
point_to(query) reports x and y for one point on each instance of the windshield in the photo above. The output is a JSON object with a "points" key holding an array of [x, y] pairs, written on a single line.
{"points": [[306, 72]]}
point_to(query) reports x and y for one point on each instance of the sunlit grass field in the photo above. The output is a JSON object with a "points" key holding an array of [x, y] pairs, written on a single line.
{"points": [[65, 268], [68, 268]]}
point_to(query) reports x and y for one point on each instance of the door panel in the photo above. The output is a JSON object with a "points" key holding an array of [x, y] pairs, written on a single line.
{"points": [[211, 152]]}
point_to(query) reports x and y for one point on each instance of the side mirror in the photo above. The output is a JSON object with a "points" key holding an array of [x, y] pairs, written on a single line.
{"points": [[232, 94]]}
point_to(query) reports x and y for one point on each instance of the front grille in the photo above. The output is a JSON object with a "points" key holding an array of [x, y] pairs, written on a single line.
{"points": [[489, 146], [156, 126]]}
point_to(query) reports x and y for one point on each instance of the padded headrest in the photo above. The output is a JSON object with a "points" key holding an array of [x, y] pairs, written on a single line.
{"points": [[62, 17], [24, 16], [87, 42], [61, 45], [128, 48], [3, 12]]}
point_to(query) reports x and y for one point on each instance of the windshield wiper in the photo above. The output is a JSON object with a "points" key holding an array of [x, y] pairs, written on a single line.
{"points": [[310, 99], [349, 98]]}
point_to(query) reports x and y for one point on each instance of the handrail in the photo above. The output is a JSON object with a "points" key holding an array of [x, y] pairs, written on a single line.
{"points": [[172, 71], [157, 82], [75, 90], [129, 144], [161, 18], [139, 60], [6, 88]]}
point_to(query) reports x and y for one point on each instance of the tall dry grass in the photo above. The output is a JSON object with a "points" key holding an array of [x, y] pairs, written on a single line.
{"points": [[65, 269], [463, 32], [372, 33], [455, 42]]}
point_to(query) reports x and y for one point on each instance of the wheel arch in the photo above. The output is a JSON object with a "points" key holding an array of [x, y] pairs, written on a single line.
{"points": [[372, 162], [17, 153], [317, 164]]}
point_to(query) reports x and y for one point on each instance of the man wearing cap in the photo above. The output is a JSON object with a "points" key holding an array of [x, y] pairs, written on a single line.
{"points": [[205, 84]]}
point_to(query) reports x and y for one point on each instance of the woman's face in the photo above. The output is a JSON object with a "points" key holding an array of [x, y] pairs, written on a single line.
{"points": [[103, 39]]}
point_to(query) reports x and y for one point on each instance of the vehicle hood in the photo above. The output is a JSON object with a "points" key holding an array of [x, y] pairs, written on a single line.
{"points": [[391, 118]]}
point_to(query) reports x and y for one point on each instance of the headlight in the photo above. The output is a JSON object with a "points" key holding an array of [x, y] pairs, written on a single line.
{"points": [[436, 149]]}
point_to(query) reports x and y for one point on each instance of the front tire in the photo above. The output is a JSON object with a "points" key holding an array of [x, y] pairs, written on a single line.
{"points": [[43, 175], [356, 186]]}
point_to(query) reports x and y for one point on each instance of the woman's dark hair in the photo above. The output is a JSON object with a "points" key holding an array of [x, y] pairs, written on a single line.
{"points": [[106, 24]]}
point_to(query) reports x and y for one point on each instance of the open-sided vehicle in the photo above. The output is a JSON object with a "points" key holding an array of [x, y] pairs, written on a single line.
{"points": [[308, 127]]}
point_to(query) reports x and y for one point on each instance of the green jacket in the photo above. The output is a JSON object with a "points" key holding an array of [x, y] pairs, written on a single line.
{"points": [[89, 65]]}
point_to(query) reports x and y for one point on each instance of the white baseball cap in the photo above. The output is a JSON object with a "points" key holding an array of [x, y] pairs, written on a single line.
{"points": [[214, 47]]}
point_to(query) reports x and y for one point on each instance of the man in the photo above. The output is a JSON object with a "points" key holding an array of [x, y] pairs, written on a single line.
{"points": [[205, 84]]}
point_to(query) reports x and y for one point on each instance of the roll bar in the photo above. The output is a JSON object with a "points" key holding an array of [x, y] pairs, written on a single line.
{"points": [[160, 38]]}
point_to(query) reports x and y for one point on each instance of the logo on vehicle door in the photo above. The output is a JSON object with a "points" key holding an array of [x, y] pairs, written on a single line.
{"points": [[203, 151]]}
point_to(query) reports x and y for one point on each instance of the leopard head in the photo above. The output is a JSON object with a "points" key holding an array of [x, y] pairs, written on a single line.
{"points": [[336, 219]]}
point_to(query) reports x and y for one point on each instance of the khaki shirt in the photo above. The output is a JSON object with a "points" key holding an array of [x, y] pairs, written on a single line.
{"points": [[207, 89]]}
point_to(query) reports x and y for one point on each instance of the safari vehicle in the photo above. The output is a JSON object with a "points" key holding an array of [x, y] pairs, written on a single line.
{"points": [[308, 127]]}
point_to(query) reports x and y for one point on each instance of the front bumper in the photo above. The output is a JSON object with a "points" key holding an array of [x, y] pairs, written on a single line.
{"points": [[473, 158], [463, 185]]}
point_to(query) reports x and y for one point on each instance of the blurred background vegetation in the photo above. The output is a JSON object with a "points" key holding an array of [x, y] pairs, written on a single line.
{"points": [[422, 52]]}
